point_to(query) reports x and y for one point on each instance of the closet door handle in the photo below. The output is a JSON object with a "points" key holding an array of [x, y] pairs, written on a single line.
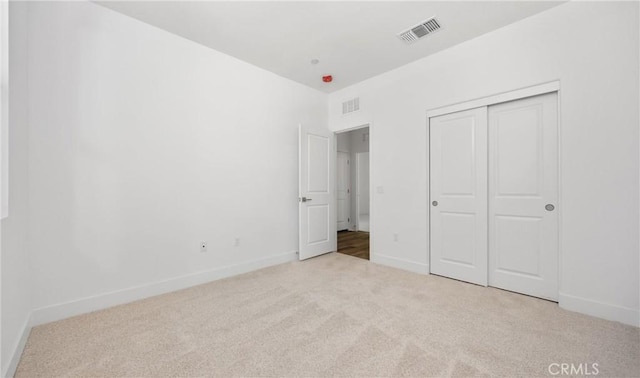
{"points": [[434, 203], [549, 207]]}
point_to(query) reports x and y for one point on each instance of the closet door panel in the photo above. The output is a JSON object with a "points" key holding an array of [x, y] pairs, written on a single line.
{"points": [[458, 195], [523, 194]]}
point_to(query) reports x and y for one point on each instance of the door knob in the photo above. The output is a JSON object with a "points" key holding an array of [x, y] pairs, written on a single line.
{"points": [[305, 199], [549, 207], [434, 203]]}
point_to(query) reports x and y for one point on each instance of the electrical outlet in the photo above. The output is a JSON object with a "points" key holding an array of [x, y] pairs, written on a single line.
{"points": [[395, 237], [203, 246], [236, 243]]}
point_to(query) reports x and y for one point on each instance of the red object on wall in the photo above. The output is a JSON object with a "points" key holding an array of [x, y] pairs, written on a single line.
{"points": [[327, 79]]}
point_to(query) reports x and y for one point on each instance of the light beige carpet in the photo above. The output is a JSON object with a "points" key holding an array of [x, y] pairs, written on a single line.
{"points": [[334, 315]]}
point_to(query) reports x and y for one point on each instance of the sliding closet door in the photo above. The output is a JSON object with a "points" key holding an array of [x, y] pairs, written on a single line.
{"points": [[458, 195], [523, 196]]}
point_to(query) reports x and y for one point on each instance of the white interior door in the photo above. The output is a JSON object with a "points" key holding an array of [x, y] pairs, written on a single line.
{"points": [[523, 195], [343, 190], [317, 220], [458, 195]]}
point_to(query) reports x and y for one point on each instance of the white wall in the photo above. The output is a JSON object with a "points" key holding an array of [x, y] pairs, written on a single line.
{"points": [[359, 140], [343, 142], [141, 145], [4, 96], [592, 48], [16, 273], [362, 159]]}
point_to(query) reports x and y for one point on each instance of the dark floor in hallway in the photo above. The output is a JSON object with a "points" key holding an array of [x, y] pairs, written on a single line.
{"points": [[354, 243]]}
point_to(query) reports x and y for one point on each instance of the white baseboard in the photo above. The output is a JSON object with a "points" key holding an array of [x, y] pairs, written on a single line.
{"points": [[395, 262], [98, 302], [600, 309], [17, 353]]}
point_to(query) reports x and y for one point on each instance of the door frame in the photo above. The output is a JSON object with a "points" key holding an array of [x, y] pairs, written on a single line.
{"points": [[371, 176], [517, 94]]}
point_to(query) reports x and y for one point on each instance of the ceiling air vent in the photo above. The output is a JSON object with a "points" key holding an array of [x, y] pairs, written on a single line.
{"points": [[421, 30], [351, 106]]}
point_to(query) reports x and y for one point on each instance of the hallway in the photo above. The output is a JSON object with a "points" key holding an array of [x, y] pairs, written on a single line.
{"points": [[354, 243]]}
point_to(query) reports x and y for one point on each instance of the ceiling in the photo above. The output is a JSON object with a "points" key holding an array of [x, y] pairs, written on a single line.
{"points": [[353, 41]]}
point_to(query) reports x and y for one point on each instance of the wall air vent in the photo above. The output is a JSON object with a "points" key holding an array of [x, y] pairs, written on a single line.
{"points": [[420, 31], [351, 106]]}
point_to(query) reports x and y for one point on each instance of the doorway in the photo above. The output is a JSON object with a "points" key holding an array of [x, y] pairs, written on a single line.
{"points": [[352, 192]]}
